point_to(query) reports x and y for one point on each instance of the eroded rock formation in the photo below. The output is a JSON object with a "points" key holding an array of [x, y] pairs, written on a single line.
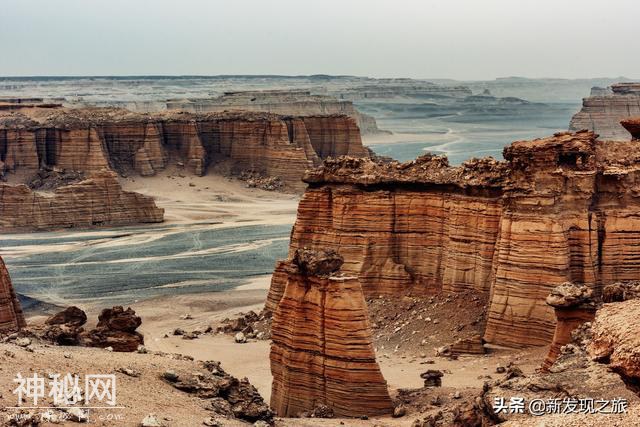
{"points": [[322, 352], [615, 340], [559, 209], [116, 328], [11, 316], [89, 140], [286, 102], [602, 111], [96, 201], [573, 305]]}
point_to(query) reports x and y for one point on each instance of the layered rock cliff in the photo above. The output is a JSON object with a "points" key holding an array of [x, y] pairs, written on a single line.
{"points": [[603, 110], [89, 140], [285, 102], [96, 201], [322, 352], [11, 316], [559, 209]]}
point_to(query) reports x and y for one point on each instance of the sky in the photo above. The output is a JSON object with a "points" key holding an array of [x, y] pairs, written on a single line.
{"points": [[458, 39]]}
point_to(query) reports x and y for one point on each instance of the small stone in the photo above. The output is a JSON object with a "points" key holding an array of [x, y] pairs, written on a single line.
{"points": [[501, 369], [399, 411], [457, 395], [240, 338], [178, 331], [211, 422], [186, 317], [261, 423], [67, 355], [142, 349], [170, 376], [260, 335], [109, 348], [23, 342], [78, 415], [150, 421], [129, 372]]}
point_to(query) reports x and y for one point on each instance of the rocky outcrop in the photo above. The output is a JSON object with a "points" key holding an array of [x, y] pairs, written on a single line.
{"points": [[96, 201], [64, 327], [285, 102], [116, 328], [89, 140], [559, 209], [322, 352], [573, 305], [11, 316], [615, 340], [602, 111], [632, 125]]}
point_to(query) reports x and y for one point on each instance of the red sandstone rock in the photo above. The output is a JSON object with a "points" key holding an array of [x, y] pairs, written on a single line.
{"points": [[573, 306], [632, 125], [322, 351], [559, 209], [11, 316], [98, 200], [116, 328], [615, 339]]}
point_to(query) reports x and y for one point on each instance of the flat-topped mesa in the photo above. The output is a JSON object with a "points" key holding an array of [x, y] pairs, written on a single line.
{"points": [[321, 351], [632, 125], [96, 201], [284, 102], [603, 110], [559, 209], [573, 305], [11, 316], [91, 139]]}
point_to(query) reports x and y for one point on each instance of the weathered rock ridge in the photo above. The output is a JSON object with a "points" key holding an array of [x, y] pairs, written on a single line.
{"points": [[604, 109], [11, 316], [559, 209], [322, 352], [286, 102], [91, 139], [96, 201]]}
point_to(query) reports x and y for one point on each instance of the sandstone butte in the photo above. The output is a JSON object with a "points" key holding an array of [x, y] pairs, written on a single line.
{"points": [[605, 108], [559, 209], [322, 351], [11, 316]]}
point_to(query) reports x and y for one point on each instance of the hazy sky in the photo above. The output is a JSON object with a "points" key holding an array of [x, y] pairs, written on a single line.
{"points": [[462, 39]]}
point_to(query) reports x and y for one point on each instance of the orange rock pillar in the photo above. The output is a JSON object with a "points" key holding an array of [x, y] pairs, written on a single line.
{"points": [[11, 316], [322, 351]]}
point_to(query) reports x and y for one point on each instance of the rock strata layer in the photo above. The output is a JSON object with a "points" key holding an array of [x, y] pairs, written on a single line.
{"points": [[96, 201], [11, 316], [91, 139], [559, 209], [603, 110], [322, 352]]}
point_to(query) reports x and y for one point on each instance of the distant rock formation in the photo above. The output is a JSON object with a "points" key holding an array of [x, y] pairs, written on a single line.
{"points": [[11, 316], [559, 209], [322, 352], [604, 109], [286, 102], [96, 201], [632, 125]]}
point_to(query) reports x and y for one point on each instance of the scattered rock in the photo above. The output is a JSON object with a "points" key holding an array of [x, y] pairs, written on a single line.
{"points": [[399, 411], [240, 338], [150, 421], [432, 378]]}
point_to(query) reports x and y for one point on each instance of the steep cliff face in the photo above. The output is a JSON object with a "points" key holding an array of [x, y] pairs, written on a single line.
{"points": [[88, 140], [322, 350], [11, 316], [559, 209], [96, 201], [602, 112]]}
